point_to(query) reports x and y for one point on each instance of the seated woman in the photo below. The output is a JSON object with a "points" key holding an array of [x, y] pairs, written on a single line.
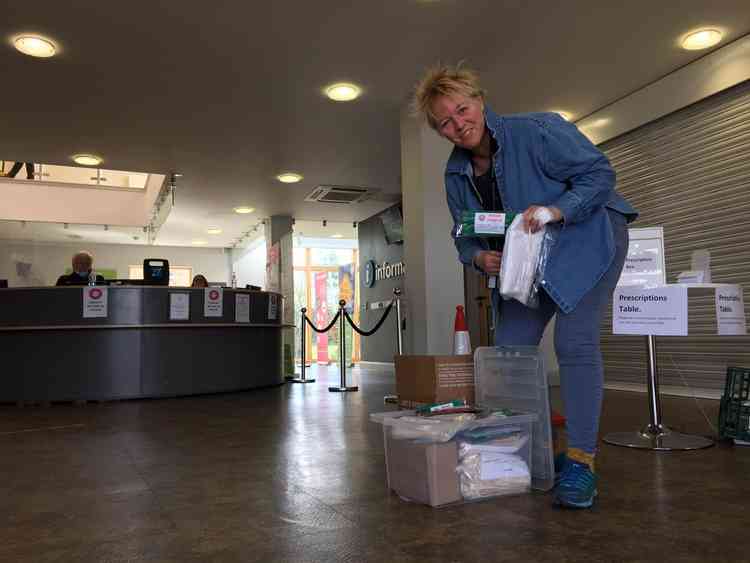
{"points": [[199, 281]]}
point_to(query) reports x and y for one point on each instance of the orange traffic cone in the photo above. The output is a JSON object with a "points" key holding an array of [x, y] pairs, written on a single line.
{"points": [[461, 342]]}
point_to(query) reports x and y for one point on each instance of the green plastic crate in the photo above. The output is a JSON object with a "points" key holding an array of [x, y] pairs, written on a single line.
{"points": [[734, 412]]}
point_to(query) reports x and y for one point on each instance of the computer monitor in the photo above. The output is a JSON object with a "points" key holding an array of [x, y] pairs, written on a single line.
{"points": [[156, 271]]}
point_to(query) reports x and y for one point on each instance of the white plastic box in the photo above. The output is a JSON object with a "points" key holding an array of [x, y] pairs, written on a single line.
{"points": [[438, 462]]}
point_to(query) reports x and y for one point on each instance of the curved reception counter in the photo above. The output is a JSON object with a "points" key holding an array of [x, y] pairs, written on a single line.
{"points": [[122, 342]]}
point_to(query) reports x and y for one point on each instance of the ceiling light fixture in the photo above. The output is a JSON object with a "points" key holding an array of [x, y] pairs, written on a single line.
{"points": [[343, 92], [564, 114], [244, 210], [601, 122], [199, 242], [214, 231], [35, 46], [701, 39], [337, 235], [87, 159], [289, 177]]}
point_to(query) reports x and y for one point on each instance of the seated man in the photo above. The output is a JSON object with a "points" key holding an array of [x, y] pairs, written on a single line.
{"points": [[82, 264]]}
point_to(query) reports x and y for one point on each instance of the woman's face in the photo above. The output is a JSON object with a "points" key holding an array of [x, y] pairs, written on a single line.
{"points": [[460, 119]]}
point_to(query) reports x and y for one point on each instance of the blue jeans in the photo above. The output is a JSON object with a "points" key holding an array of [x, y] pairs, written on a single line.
{"points": [[576, 342]]}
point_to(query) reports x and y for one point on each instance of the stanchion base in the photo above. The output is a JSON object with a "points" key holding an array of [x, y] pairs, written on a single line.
{"points": [[298, 380], [391, 399], [661, 439], [342, 389]]}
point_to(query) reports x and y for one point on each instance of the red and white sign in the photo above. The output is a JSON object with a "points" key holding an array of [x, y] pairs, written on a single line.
{"points": [[213, 302], [94, 302]]}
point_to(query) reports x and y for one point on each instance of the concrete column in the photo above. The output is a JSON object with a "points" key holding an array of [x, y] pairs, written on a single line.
{"points": [[279, 232], [434, 277]]}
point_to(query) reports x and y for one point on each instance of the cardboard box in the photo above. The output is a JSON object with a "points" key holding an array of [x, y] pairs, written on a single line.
{"points": [[433, 379], [423, 473]]}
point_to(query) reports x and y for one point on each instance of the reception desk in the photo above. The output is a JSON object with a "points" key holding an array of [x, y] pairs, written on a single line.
{"points": [[144, 342]]}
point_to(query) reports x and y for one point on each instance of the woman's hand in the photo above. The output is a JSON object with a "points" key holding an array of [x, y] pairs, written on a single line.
{"points": [[536, 216], [489, 261]]}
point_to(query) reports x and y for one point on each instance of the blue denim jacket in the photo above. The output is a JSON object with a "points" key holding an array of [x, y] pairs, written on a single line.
{"points": [[544, 160]]}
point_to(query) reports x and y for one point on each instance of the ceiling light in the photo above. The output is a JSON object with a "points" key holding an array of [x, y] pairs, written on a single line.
{"points": [[601, 122], [244, 210], [564, 114], [343, 92], [289, 177], [213, 231], [35, 46], [199, 242], [337, 235], [87, 159], [701, 39]]}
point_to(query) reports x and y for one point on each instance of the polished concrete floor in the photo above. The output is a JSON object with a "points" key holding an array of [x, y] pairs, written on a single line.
{"points": [[296, 473]]}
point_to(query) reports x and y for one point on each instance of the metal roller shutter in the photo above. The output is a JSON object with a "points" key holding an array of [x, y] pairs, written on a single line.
{"points": [[690, 173]]}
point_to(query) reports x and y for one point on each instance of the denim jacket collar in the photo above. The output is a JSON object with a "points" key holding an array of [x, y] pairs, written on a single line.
{"points": [[460, 158]]}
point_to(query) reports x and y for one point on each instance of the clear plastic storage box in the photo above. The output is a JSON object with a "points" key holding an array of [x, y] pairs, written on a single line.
{"points": [[506, 449]]}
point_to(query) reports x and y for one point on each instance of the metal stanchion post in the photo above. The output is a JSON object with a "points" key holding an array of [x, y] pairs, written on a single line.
{"points": [[656, 436], [399, 339], [342, 353], [303, 351]]}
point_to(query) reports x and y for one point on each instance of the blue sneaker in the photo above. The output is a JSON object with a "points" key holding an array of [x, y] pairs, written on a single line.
{"points": [[576, 487], [561, 462]]}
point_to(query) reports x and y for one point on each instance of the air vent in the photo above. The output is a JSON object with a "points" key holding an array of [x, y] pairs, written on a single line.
{"points": [[339, 194]]}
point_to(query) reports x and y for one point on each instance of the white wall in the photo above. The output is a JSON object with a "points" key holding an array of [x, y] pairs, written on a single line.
{"points": [[250, 264], [49, 260]]}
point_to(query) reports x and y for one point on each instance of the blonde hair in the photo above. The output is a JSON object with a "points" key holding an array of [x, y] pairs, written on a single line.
{"points": [[444, 80]]}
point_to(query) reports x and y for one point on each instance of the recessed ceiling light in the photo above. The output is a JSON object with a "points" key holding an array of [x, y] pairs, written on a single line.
{"points": [[564, 114], [337, 235], [87, 159], [213, 231], [35, 46], [701, 39], [199, 242], [244, 210], [343, 92], [289, 177]]}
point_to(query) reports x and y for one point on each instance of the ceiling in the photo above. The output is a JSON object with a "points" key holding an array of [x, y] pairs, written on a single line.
{"points": [[229, 93]]}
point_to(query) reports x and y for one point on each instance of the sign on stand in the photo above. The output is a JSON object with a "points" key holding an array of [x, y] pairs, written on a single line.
{"points": [[213, 302], [658, 311], [94, 302], [730, 311], [242, 307], [644, 264]]}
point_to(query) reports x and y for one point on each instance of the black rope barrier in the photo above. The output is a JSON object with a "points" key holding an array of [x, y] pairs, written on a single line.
{"points": [[326, 329], [377, 326]]}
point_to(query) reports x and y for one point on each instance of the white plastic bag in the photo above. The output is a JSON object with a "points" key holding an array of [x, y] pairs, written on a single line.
{"points": [[519, 264]]}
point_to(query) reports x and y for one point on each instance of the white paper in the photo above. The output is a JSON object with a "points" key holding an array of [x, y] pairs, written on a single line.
{"points": [[94, 302], [730, 311], [213, 302], [644, 264], [273, 307], [179, 306], [489, 223], [242, 307], [659, 311], [691, 276]]}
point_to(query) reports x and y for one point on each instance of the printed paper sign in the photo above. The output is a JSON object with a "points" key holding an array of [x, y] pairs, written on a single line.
{"points": [[489, 223], [213, 302], [242, 307], [273, 307], [179, 306], [730, 311], [94, 302], [644, 264], [659, 311]]}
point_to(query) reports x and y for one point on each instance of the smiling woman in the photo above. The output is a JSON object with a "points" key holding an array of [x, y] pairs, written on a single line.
{"points": [[540, 165]]}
